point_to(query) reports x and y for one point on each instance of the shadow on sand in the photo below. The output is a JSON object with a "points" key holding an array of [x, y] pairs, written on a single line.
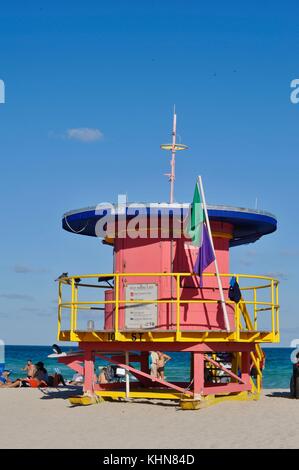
{"points": [[62, 393], [280, 395], [65, 393], [144, 401]]}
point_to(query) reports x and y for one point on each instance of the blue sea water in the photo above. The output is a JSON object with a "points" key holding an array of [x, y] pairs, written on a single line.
{"points": [[276, 374]]}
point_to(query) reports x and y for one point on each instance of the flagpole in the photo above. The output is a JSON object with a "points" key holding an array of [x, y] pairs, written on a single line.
{"points": [[226, 321]]}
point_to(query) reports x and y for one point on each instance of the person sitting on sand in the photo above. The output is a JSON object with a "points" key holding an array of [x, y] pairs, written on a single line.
{"points": [[42, 375], [4, 378], [39, 379], [29, 368], [296, 365], [40, 372], [162, 360], [55, 380], [77, 379], [26, 383]]}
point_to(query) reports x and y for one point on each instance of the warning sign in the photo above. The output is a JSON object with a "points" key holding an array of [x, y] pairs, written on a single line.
{"points": [[143, 315]]}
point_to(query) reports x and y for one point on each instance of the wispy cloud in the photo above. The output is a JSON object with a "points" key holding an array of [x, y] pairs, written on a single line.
{"points": [[278, 275], [22, 269], [289, 329], [13, 296], [84, 134], [30, 309], [292, 253], [247, 258], [246, 262], [251, 253], [37, 311]]}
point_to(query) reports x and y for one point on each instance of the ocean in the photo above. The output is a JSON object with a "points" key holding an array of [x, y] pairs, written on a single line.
{"points": [[276, 373]]}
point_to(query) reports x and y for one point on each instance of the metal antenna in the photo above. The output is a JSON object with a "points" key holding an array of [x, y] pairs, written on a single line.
{"points": [[173, 147]]}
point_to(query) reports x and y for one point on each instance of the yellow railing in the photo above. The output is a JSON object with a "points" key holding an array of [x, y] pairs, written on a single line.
{"points": [[241, 332]]}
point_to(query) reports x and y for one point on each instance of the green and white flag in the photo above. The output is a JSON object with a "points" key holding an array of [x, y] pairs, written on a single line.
{"points": [[196, 218]]}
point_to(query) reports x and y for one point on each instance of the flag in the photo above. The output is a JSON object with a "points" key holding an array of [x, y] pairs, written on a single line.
{"points": [[198, 232], [196, 218], [205, 253]]}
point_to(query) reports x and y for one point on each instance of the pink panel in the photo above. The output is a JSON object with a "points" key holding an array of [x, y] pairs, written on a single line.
{"points": [[155, 255], [109, 310]]}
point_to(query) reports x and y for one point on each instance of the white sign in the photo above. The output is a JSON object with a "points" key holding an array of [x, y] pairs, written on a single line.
{"points": [[141, 316]]}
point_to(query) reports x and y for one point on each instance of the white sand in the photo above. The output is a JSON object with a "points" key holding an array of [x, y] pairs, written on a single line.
{"points": [[31, 419]]}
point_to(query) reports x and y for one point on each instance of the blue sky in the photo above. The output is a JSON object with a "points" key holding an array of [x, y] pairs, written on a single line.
{"points": [[118, 67]]}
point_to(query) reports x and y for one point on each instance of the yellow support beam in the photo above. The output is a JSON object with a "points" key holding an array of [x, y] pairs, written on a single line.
{"points": [[166, 395], [116, 318], [178, 310], [204, 401], [168, 337]]}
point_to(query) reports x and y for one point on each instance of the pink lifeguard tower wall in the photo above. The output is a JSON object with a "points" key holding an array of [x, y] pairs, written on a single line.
{"points": [[144, 255]]}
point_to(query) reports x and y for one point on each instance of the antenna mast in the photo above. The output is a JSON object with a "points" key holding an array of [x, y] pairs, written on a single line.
{"points": [[172, 163], [173, 147]]}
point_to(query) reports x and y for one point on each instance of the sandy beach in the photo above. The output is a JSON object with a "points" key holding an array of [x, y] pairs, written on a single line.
{"points": [[38, 419]]}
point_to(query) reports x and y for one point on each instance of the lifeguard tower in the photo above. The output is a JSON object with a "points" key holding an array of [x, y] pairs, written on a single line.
{"points": [[153, 301]]}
